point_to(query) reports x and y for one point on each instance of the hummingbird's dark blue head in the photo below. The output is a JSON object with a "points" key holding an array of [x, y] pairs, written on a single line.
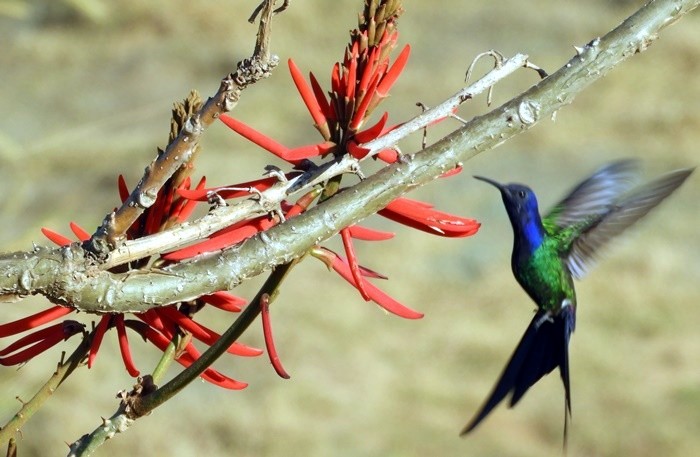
{"points": [[521, 204]]}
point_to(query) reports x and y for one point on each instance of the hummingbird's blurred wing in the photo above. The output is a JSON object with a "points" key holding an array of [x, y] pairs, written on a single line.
{"points": [[593, 196], [618, 217]]}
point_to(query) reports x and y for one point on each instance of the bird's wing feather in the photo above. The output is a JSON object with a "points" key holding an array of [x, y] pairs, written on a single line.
{"points": [[543, 347], [618, 217], [593, 196]]}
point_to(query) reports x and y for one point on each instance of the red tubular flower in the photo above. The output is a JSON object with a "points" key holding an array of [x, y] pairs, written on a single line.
{"points": [[100, 331], [242, 230], [311, 100], [269, 341], [352, 263], [358, 85], [186, 358], [33, 321], [224, 301], [202, 333], [124, 346], [340, 266], [160, 325], [293, 156], [423, 217], [35, 343]]}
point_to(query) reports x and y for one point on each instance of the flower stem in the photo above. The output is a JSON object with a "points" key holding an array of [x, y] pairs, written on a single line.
{"points": [[166, 360]]}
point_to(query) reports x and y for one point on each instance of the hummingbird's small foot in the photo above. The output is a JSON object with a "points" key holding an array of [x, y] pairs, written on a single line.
{"points": [[546, 317]]}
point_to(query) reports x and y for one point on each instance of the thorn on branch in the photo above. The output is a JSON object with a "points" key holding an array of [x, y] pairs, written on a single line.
{"points": [[543, 74]]}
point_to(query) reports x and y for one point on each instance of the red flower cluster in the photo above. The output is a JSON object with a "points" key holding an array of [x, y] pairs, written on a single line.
{"points": [[358, 85], [158, 326]]}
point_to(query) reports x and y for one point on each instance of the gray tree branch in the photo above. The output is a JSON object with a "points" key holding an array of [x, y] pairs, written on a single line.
{"points": [[67, 276]]}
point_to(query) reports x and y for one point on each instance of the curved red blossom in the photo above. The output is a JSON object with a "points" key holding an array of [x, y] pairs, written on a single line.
{"points": [[224, 301], [204, 334], [340, 266], [350, 65], [423, 217], [124, 346], [359, 281], [367, 73], [99, 334], [373, 132], [455, 171], [393, 73], [56, 237], [186, 358], [364, 106], [33, 321], [367, 234], [79, 232], [35, 343], [210, 375], [269, 341], [308, 96], [355, 150], [186, 206], [293, 156], [388, 155], [122, 188]]}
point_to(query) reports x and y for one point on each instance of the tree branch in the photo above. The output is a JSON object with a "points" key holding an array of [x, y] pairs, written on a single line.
{"points": [[66, 276]]}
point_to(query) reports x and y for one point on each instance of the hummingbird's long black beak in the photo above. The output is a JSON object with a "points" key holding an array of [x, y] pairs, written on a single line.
{"points": [[497, 185]]}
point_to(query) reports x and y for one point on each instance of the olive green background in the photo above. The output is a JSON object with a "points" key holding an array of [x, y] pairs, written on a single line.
{"points": [[85, 94]]}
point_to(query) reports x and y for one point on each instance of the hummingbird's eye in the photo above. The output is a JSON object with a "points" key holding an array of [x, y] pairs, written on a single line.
{"points": [[521, 194]]}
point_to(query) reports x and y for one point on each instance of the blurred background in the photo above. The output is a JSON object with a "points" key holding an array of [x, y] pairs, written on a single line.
{"points": [[87, 87]]}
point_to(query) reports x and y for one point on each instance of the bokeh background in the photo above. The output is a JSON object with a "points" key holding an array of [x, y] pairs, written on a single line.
{"points": [[86, 93]]}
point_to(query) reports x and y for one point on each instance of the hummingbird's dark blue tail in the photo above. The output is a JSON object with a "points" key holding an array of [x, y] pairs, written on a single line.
{"points": [[544, 347]]}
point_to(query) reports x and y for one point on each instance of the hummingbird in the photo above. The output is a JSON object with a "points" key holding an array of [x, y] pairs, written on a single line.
{"points": [[550, 252]]}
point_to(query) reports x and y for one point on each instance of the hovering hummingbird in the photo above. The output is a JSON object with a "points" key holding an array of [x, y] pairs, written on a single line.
{"points": [[549, 252]]}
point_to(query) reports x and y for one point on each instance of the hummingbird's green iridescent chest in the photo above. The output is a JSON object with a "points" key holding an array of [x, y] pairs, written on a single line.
{"points": [[544, 275]]}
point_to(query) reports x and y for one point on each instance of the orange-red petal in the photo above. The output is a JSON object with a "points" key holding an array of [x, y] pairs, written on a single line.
{"points": [[33, 321], [56, 237]]}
